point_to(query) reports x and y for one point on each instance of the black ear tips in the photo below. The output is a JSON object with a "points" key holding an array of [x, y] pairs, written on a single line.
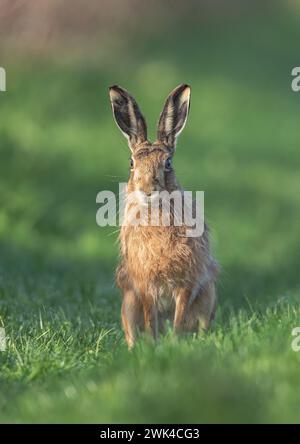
{"points": [[114, 87], [180, 88], [119, 95], [183, 86], [182, 94], [115, 93]]}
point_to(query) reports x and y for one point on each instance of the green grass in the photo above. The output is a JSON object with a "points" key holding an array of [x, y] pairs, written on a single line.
{"points": [[66, 360]]}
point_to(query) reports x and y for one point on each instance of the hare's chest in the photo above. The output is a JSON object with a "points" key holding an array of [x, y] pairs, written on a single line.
{"points": [[157, 256], [151, 257]]}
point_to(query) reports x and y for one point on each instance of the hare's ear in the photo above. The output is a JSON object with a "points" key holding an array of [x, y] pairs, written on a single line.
{"points": [[128, 116], [174, 115]]}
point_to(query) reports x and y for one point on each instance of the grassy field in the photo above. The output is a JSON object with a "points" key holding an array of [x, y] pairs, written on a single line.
{"points": [[66, 359]]}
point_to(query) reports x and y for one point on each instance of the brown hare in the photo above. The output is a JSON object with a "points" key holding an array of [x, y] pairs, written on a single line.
{"points": [[163, 274]]}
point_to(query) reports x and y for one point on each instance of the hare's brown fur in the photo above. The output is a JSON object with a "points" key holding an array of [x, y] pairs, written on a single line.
{"points": [[163, 274]]}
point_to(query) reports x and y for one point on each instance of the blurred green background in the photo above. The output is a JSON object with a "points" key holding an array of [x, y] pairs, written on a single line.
{"points": [[66, 359]]}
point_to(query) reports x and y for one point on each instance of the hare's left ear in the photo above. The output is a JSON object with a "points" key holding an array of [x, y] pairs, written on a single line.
{"points": [[174, 115]]}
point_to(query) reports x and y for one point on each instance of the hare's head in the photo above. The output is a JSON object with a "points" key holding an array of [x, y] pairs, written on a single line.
{"points": [[151, 163]]}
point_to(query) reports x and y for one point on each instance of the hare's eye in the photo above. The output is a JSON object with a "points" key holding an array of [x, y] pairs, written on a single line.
{"points": [[131, 163], [168, 163]]}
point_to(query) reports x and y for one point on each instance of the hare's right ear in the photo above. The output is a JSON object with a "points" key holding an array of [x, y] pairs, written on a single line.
{"points": [[128, 116]]}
